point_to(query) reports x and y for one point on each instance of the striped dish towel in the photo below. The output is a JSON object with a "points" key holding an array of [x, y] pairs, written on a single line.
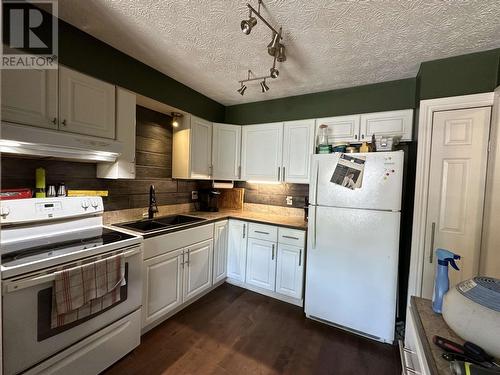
{"points": [[84, 290]]}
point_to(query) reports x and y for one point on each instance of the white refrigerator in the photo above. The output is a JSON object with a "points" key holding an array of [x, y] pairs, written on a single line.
{"points": [[353, 245]]}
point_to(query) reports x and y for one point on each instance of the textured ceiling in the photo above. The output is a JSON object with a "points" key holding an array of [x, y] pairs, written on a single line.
{"points": [[330, 44]]}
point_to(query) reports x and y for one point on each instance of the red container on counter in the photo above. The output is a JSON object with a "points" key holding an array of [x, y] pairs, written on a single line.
{"points": [[6, 194]]}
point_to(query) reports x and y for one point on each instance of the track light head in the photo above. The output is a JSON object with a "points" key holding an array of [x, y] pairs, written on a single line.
{"points": [[175, 119], [272, 46], [274, 73], [264, 86], [281, 53], [242, 89], [247, 25]]}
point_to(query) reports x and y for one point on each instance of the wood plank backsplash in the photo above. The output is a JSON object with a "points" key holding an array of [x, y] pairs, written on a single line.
{"points": [[154, 166], [274, 194]]}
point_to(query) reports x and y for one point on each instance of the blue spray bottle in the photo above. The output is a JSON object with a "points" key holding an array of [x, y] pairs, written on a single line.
{"points": [[442, 282]]}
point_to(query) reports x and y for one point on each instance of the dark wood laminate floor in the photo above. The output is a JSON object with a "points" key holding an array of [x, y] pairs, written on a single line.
{"points": [[235, 331]]}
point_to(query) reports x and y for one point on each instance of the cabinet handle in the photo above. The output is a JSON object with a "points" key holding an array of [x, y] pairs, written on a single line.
{"points": [[54, 120], [355, 136], [244, 229], [189, 254], [300, 257], [182, 263], [291, 237], [64, 122], [272, 256], [433, 232], [239, 171], [283, 174], [259, 231], [279, 173], [362, 136]]}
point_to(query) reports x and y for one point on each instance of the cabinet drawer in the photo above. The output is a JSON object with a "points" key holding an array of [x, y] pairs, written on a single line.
{"points": [[263, 232], [292, 237]]}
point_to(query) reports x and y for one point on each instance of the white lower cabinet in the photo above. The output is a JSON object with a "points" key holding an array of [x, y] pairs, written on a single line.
{"points": [[237, 250], [221, 229], [290, 270], [162, 285], [197, 269], [261, 263]]}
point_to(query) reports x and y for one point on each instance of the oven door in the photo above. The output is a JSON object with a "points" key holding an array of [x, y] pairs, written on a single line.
{"points": [[27, 301]]}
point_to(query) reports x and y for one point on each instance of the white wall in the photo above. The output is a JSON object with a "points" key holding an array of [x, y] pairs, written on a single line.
{"points": [[490, 252]]}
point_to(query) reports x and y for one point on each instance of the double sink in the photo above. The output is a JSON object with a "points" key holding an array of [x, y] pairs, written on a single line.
{"points": [[161, 223]]}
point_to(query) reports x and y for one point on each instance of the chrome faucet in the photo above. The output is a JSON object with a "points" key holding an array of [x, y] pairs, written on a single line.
{"points": [[153, 207]]}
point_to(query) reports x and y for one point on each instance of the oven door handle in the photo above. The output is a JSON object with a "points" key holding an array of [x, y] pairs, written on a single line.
{"points": [[15, 285]]}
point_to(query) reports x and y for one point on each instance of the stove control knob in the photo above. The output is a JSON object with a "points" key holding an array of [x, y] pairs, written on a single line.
{"points": [[4, 212], [85, 204], [94, 204]]}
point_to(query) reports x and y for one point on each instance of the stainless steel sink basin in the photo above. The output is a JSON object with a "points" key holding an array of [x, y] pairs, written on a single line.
{"points": [[161, 223]]}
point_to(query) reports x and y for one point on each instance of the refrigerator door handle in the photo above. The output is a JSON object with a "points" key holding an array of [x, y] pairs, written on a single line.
{"points": [[313, 225], [314, 181]]}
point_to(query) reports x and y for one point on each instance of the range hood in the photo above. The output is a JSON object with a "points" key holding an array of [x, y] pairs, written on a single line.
{"points": [[32, 141]]}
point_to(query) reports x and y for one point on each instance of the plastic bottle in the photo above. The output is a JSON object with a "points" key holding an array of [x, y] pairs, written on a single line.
{"points": [[442, 282]]}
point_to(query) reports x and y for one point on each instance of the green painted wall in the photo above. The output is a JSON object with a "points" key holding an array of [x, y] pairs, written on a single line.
{"points": [[384, 96], [460, 75], [89, 55]]}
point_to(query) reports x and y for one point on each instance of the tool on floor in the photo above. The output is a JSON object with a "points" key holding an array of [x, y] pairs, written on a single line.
{"points": [[469, 350], [442, 282], [466, 368]]}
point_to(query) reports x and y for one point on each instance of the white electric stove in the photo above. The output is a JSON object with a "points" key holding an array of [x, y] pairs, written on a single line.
{"points": [[39, 237]]}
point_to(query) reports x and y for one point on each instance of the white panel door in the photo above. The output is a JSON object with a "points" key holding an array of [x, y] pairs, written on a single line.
{"points": [[290, 270], [391, 123], [30, 97], [237, 250], [226, 151], [197, 269], [162, 285], [341, 128], [261, 151], [298, 146], [86, 104], [220, 250], [201, 148], [459, 153], [261, 263]]}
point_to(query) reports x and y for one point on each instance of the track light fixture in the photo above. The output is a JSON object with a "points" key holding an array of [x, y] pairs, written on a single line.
{"points": [[275, 48], [263, 86], [175, 119]]}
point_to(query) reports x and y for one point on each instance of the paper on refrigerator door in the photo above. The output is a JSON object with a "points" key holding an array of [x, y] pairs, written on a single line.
{"points": [[349, 171]]}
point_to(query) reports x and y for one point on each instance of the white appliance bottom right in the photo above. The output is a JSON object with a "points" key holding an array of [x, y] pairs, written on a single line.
{"points": [[352, 271]]}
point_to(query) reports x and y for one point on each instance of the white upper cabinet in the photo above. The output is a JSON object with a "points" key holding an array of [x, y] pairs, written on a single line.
{"points": [[201, 148], [261, 152], [86, 104], [226, 152], [298, 146], [392, 123], [30, 97], [124, 166], [192, 149], [341, 128]]}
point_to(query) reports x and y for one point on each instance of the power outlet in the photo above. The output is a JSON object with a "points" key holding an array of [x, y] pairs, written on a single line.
{"points": [[289, 200], [194, 195]]}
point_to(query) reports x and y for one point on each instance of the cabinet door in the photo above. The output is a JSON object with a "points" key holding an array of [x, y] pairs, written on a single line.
{"points": [[341, 128], [201, 148], [261, 151], [237, 250], [298, 146], [220, 251], [261, 263], [226, 151], [162, 285], [87, 105], [392, 123], [30, 97], [290, 270], [197, 269]]}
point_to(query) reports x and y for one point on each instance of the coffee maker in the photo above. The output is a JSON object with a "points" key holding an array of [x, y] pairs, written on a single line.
{"points": [[208, 200]]}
